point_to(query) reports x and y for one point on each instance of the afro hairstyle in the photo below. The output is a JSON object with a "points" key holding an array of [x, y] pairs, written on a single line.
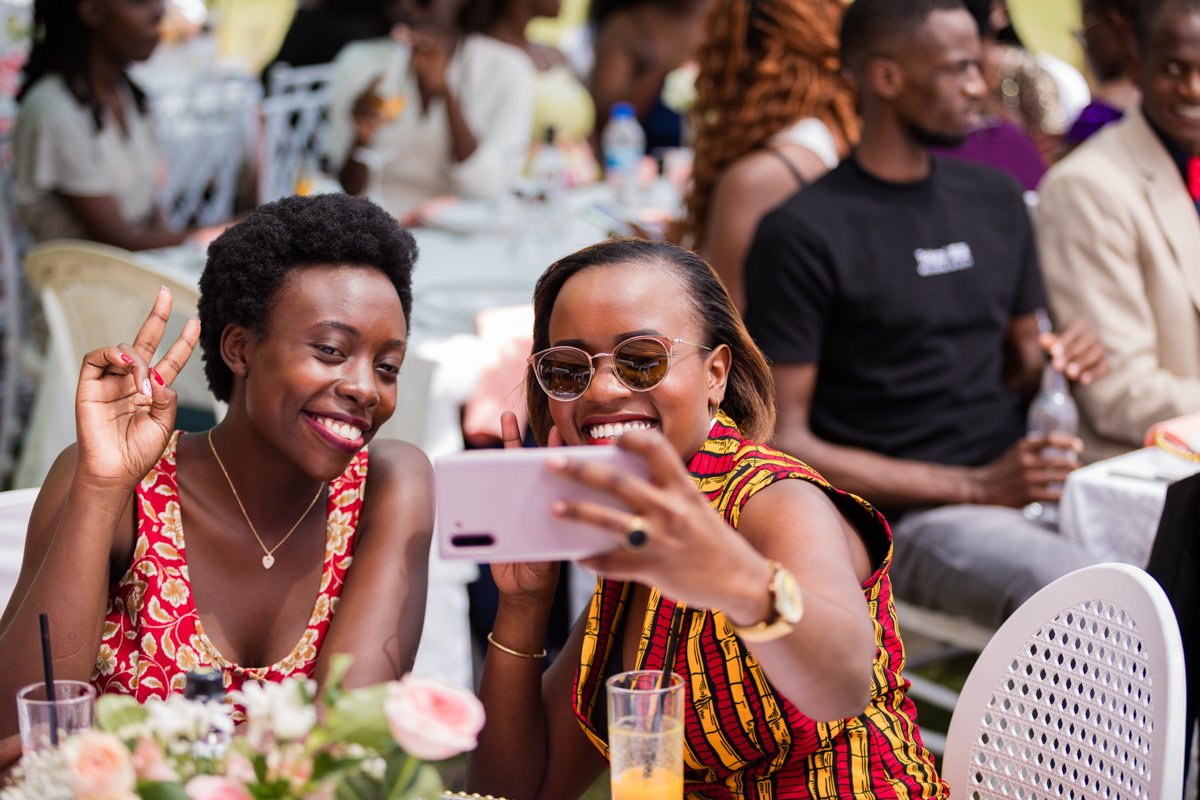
{"points": [[251, 261]]}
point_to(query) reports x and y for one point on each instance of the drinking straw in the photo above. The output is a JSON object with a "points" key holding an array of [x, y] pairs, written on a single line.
{"points": [[48, 671], [664, 680]]}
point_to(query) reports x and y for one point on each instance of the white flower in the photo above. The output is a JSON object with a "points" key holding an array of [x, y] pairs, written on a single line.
{"points": [[282, 710], [180, 718]]}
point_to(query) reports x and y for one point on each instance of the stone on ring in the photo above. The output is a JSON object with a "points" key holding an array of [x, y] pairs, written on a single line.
{"points": [[635, 535]]}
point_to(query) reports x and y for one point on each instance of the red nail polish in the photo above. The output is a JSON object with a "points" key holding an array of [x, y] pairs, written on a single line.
{"points": [[126, 359], [157, 377]]}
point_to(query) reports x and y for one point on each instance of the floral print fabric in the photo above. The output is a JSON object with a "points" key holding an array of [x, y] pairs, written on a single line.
{"points": [[152, 633]]}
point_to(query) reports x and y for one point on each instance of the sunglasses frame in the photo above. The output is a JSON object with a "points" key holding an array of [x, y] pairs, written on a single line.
{"points": [[667, 343]]}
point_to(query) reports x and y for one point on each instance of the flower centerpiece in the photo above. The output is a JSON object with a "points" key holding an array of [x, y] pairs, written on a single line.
{"points": [[372, 744]]}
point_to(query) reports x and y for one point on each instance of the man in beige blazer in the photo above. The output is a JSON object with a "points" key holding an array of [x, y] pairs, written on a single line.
{"points": [[1119, 239]]}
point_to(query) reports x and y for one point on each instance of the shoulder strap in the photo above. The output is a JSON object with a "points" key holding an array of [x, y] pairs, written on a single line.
{"points": [[790, 166]]}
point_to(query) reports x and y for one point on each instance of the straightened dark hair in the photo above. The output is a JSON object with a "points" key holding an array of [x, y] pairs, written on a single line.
{"points": [[749, 393], [61, 44]]}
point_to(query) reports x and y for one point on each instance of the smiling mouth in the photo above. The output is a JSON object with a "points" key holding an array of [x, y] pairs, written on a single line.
{"points": [[1189, 112], [611, 430], [338, 428]]}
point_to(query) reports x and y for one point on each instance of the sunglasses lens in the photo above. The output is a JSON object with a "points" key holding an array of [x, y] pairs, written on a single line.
{"points": [[564, 374], [641, 364]]}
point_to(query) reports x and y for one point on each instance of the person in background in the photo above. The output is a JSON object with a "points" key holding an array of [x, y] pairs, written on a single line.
{"points": [[997, 141], [1119, 233], [272, 543], [1107, 40], [1038, 92], [773, 113], [727, 539], [560, 101], [321, 29], [86, 161], [637, 43], [439, 106], [896, 300]]}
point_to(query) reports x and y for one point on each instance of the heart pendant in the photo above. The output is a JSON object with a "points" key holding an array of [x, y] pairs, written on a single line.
{"points": [[268, 561]]}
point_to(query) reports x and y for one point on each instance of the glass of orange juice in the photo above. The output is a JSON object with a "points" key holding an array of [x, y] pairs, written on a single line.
{"points": [[645, 735]]}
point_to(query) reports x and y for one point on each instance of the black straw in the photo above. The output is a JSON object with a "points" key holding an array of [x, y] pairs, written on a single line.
{"points": [[664, 680], [48, 671]]}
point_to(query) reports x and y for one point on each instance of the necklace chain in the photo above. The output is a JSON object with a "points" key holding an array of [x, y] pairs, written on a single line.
{"points": [[268, 557]]}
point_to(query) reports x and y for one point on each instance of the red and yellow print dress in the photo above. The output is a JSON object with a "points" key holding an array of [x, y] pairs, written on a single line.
{"points": [[152, 634], [742, 739]]}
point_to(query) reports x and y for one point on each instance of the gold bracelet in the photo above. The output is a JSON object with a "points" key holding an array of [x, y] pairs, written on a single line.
{"points": [[516, 653], [1173, 446]]}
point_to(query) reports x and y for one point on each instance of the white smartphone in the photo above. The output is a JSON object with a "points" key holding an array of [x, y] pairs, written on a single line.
{"points": [[494, 505]]}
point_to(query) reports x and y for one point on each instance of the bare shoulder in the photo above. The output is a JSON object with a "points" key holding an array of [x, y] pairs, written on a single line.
{"points": [[399, 492], [817, 526], [758, 180]]}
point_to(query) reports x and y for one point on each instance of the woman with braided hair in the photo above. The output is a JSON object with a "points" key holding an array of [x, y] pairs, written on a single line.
{"points": [[773, 113]]}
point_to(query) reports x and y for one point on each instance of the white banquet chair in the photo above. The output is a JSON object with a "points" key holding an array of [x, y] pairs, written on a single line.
{"points": [[295, 124], [1080, 694], [208, 130], [15, 508], [93, 296]]}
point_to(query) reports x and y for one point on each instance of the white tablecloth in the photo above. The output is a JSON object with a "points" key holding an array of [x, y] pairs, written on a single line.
{"points": [[1112, 507]]}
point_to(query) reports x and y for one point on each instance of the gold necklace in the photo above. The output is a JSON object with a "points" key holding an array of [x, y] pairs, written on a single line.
{"points": [[268, 559]]}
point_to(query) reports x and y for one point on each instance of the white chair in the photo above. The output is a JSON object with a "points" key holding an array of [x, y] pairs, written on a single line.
{"points": [[15, 508], [208, 130], [1080, 694], [93, 296], [295, 124]]}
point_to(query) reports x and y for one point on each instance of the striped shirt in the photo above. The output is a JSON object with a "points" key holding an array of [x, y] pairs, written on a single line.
{"points": [[742, 739]]}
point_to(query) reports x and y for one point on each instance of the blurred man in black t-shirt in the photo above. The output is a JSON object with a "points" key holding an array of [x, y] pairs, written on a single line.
{"points": [[895, 298]]}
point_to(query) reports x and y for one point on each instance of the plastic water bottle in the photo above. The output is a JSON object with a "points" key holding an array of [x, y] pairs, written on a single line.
{"points": [[1052, 411], [205, 685], [624, 144]]}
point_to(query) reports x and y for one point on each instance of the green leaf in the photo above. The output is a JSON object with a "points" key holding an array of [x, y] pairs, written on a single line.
{"points": [[358, 717], [359, 787], [426, 784], [160, 790], [117, 711], [339, 665]]}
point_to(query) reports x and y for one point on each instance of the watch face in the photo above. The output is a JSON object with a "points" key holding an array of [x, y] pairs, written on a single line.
{"points": [[787, 596]]}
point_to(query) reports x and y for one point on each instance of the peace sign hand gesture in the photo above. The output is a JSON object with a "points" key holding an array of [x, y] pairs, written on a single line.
{"points": [[124, 408]]}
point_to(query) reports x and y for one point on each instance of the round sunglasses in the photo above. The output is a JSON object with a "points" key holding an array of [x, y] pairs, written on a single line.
{"points": [[640, 363]]}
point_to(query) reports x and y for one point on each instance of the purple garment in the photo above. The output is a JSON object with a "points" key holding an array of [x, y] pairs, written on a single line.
{"points": [[1095, 115], [1004, 146]]}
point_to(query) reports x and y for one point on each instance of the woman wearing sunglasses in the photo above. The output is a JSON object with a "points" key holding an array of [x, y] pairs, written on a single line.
{"points": [[769, 596]]}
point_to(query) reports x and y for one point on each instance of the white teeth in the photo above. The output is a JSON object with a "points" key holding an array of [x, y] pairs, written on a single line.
{"points": [[1191, 112], [342, 429], [611, 430]]}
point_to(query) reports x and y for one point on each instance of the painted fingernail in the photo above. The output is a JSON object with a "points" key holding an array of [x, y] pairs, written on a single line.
{"points": [[558, 507], [162, 288], [157, 377], [126, 359], [556, 462], [146, 387]]}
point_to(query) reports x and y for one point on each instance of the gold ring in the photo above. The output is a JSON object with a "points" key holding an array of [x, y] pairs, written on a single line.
{"points": [[636, 537]]}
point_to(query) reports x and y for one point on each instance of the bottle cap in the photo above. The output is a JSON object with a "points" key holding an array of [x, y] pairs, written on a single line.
{"points": [[204, 683], [623, 111]]}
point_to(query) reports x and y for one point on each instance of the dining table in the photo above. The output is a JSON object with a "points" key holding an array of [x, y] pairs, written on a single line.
{"points": [[1112, 507]]}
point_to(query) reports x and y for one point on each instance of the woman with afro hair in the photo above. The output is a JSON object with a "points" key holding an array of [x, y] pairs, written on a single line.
{"points": [[268, 544], [773, 113]]}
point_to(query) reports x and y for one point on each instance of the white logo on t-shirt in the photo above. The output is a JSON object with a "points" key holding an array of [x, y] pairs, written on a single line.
{"points": [[950, 258]]}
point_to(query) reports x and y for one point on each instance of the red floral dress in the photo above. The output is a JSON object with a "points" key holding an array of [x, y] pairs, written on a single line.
{"points": [[152, 633]]}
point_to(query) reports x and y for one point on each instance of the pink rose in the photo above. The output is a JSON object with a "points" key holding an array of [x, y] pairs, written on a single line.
{"points": [[148, 762], [99, 767], [239, 769], [430, 719], [213, 787]]}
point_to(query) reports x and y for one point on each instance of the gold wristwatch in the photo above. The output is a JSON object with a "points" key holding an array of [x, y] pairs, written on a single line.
{"points": [[787, 606]]}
